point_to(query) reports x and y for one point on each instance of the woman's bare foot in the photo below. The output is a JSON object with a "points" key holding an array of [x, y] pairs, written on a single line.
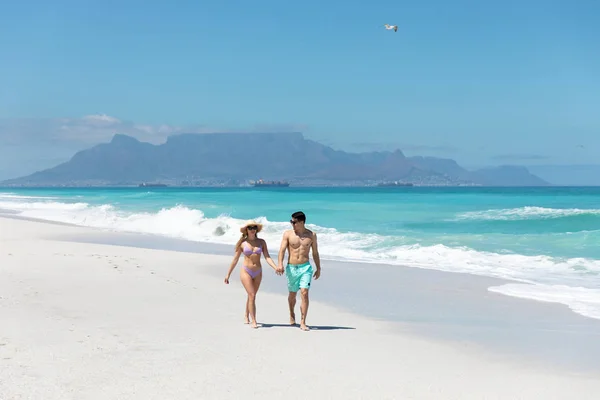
{"points": [[254, 324], [304, 327], [246, 320]]}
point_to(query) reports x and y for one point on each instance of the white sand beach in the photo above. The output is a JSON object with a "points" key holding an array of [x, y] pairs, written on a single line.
{"points": [[96, 321]]}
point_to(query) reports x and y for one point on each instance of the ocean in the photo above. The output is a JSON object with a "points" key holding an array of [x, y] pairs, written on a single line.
{"points": [[543, 240]]}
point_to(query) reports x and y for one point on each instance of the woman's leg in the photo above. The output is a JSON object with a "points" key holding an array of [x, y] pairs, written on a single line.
{"points": [[247, 312], [248, 283], [256, 281]]}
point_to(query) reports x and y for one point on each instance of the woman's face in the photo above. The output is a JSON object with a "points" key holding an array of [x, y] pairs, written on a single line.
{"points": [[251, 231]]}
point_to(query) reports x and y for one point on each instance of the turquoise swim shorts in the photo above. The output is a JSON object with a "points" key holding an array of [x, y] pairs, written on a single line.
{"points": [[298, 276]]}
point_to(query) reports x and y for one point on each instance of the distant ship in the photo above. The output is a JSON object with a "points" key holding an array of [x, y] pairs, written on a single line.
{"points": [[261, 183], [152, 185], [388, 184]]}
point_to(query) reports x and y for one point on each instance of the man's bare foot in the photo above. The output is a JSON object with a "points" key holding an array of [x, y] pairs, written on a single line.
{"points": [[292, 319], [304, 327]]}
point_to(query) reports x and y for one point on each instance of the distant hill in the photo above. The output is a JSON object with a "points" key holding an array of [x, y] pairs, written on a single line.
{"points": [[505, 175], [569, 175], [257, 155]]}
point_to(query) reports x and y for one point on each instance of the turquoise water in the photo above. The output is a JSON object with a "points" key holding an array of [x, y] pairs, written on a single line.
{"points": [[546, 238], [561, 222]]}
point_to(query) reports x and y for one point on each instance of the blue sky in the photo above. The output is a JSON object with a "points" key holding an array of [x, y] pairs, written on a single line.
{"points": [[482, 82]]}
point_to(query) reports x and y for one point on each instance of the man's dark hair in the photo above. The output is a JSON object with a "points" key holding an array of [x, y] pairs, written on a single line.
{"points": [[299, 216]]}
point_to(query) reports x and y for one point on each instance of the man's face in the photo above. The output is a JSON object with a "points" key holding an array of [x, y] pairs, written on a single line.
{"points": [[296, 224]]}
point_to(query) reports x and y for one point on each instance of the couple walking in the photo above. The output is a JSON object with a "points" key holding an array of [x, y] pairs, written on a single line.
{"points": [[298, 242]]}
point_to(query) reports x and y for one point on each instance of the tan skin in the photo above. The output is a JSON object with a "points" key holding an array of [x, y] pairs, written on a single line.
{"points": [[298, 242], [252, 262]]}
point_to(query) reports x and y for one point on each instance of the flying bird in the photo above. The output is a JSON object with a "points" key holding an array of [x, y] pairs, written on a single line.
{"points": [[390, 27]]}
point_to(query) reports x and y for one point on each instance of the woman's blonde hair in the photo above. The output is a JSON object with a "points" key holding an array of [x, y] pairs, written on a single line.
{"points": [[240, 241], [244, 230]]}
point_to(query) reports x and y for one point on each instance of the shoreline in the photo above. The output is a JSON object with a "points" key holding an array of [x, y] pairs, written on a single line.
{"points": [[460, 303], [99, 321]]}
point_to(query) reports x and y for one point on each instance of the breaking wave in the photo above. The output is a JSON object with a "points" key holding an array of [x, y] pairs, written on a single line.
{"points": [[574, 282], [527, 213]]}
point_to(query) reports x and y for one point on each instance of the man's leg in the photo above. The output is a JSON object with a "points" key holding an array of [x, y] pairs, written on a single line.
{"points": [[305, 280], [303, 309], [292, 304], [293, 287]]}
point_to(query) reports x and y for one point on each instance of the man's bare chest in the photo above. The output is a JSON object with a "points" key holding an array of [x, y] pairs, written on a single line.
{"points": [[297, 241]]}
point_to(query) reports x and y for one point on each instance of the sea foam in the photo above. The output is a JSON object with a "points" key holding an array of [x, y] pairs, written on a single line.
{"points": [[574, 282], [525, 213]]}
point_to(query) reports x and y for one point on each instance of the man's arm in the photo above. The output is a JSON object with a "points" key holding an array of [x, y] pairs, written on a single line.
{"points": [[282, 248], [315, 254]]}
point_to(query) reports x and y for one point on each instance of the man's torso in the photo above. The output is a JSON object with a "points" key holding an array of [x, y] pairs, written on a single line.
{"points": [[299, 246]]}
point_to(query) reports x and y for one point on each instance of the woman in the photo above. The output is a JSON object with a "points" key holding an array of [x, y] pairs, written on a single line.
{"points": [[251, 274]]}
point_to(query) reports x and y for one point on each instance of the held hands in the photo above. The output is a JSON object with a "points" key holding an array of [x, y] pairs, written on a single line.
{"points": [[279, 270]]}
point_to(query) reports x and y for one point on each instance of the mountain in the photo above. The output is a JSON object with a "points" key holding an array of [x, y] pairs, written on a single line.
{"points": [[444, 166], [568, 175], [245, 156], [504, 175]]}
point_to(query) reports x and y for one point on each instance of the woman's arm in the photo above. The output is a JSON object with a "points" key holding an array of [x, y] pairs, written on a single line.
{"points": [[268, 257], [236, 258]]}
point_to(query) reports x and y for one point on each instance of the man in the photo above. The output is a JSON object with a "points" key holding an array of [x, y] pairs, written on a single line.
{"points": [[298, 242]]}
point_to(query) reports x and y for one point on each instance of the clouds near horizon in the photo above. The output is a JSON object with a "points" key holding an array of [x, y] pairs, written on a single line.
{"points": [[409, 148], [87, 130], [520, 157], [30, 144]]}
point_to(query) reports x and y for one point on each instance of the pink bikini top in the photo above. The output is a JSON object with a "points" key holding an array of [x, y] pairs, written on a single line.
{"points": [[248, 251]]}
